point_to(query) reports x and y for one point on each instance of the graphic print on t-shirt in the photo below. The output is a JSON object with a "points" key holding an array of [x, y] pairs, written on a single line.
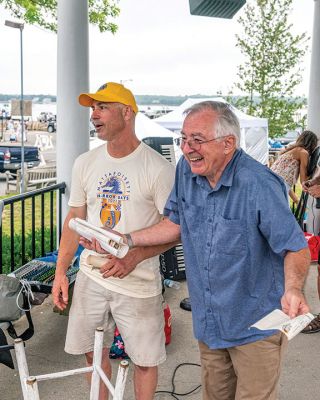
{"points": [[113, 189]]}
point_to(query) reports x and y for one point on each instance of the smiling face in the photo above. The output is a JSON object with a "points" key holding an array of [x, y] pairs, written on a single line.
{"points": [[212, 157], [108, 119]]}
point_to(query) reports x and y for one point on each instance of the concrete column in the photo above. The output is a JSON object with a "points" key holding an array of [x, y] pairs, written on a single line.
{"points": [[314, 85], [313, 123], [72, 78]]}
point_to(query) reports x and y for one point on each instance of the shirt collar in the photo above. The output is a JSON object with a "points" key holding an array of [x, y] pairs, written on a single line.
{"points": [[226, 177]]}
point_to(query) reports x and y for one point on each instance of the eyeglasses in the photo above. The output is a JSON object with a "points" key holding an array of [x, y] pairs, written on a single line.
{"points": [[195, 144]]}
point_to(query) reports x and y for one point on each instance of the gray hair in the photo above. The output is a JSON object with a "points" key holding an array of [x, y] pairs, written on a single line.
{"points": [[227, 122]]}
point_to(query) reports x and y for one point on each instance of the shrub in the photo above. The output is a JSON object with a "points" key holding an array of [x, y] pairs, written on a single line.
{"points": [[6, 248]]}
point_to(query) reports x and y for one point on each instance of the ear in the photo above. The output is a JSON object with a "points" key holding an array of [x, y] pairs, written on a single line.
{"points": [[127, 113], [229, 144]]}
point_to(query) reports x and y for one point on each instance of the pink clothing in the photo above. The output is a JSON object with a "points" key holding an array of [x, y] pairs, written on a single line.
{"points": [[287, 167]]}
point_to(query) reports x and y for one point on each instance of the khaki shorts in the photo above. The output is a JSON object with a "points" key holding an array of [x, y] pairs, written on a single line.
{"points": [[140, 322]]}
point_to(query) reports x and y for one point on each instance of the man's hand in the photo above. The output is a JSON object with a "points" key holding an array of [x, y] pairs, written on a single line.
{"points": [[119, 268], [293, 303], [60, 291], [92, 245], [296, 266], [67, 249]]}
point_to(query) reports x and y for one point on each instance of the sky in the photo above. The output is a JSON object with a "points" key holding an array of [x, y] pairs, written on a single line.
{"points": [[158, 49]]}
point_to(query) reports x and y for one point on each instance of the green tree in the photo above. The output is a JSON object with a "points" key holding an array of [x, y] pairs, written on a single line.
{"points": [[272, 64], [44, 12]]}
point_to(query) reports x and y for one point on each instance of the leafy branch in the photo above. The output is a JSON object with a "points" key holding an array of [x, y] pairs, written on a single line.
{"points": [[43, 13]]}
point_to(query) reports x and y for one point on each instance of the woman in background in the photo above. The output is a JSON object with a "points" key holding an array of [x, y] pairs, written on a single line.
{"points": [[292, 162]]}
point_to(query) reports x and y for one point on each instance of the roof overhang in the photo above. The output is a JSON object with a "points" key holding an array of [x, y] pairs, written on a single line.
{"points": [[216, 8]]}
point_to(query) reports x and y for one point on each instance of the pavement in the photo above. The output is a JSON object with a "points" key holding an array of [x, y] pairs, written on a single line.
{"points": [[44, 353]]}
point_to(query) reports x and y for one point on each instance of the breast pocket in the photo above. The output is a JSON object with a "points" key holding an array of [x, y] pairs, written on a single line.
{"points": [[231, 236], [193, 217]]}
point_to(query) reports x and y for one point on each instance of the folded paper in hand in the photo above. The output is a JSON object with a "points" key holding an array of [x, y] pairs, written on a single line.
{"points": [[277, 319], [108, 239]]}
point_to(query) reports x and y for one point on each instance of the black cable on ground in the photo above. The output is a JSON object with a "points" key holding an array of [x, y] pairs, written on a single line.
{"points": [[172, 392]]}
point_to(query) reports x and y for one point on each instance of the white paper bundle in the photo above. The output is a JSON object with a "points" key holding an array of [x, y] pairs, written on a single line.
{"points": [[277, 319], [108, 239]]}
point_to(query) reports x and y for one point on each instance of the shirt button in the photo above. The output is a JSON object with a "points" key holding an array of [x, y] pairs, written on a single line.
{"points": [[210, 220], [206, 268], [209, 310], [207, 289], [208, 244]]}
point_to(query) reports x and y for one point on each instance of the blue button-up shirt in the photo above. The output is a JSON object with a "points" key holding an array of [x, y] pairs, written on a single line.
{"points": [[235, 237]]}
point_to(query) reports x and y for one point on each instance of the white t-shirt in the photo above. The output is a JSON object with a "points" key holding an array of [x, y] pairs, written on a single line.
{"points": [[124, 194]]}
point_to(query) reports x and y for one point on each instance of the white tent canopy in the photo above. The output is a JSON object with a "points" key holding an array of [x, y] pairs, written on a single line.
{"points": [[254, 131], [146, 127]]}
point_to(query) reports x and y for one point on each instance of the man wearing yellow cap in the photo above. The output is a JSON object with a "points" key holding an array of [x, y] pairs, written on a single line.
{"points": [[123, 185]]}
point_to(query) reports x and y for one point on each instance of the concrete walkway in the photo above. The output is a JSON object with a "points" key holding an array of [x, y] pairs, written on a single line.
{"points": [[300, 377]]}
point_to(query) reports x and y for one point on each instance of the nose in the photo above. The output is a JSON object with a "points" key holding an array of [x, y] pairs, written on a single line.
{"points": [[189, 147], [94, 113]]}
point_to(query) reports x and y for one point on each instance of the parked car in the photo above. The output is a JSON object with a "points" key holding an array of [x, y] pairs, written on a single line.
{"points": [[288, 138], [45, 116], [10, 157]]}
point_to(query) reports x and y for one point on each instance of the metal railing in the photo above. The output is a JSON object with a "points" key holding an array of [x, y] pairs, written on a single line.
{"points": [[30, 226]]}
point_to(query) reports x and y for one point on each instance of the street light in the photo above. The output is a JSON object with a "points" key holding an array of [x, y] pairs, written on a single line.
{"points": [[3, 116], [122, 81], [20, 26]]}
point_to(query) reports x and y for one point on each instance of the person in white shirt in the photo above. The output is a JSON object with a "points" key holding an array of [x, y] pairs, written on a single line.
{"points": [[123, 185]]}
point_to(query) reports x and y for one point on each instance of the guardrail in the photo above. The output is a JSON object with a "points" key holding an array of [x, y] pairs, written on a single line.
{"points": [[30, 226]]}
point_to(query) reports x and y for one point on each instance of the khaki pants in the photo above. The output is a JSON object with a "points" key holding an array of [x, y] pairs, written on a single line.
{"points": [[247, 372]]}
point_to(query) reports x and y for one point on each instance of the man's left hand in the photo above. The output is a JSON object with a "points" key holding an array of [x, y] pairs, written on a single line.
{"points": [[118, 268], [294, 303]]}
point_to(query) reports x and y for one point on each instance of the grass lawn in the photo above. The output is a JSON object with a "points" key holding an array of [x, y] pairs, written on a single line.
{"points": [[40, 210]]}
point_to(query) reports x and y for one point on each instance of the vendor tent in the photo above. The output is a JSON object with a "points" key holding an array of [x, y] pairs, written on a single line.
{"points": [[254, 131], [146, 127]]}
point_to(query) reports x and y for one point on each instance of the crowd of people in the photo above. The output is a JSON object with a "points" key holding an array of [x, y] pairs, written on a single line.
{"points": [[245, 266]]}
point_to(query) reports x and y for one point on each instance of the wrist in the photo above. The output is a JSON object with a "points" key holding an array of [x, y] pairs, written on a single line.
{"points": [[129, 240], [61, 271], [136, 255], [290, 288]]}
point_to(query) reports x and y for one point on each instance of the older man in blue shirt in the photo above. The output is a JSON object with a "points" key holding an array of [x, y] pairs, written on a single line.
{"points": [[245, 254]]}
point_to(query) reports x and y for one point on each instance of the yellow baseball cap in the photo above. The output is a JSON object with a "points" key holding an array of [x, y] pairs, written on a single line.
{"points": [[110, 92]]}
